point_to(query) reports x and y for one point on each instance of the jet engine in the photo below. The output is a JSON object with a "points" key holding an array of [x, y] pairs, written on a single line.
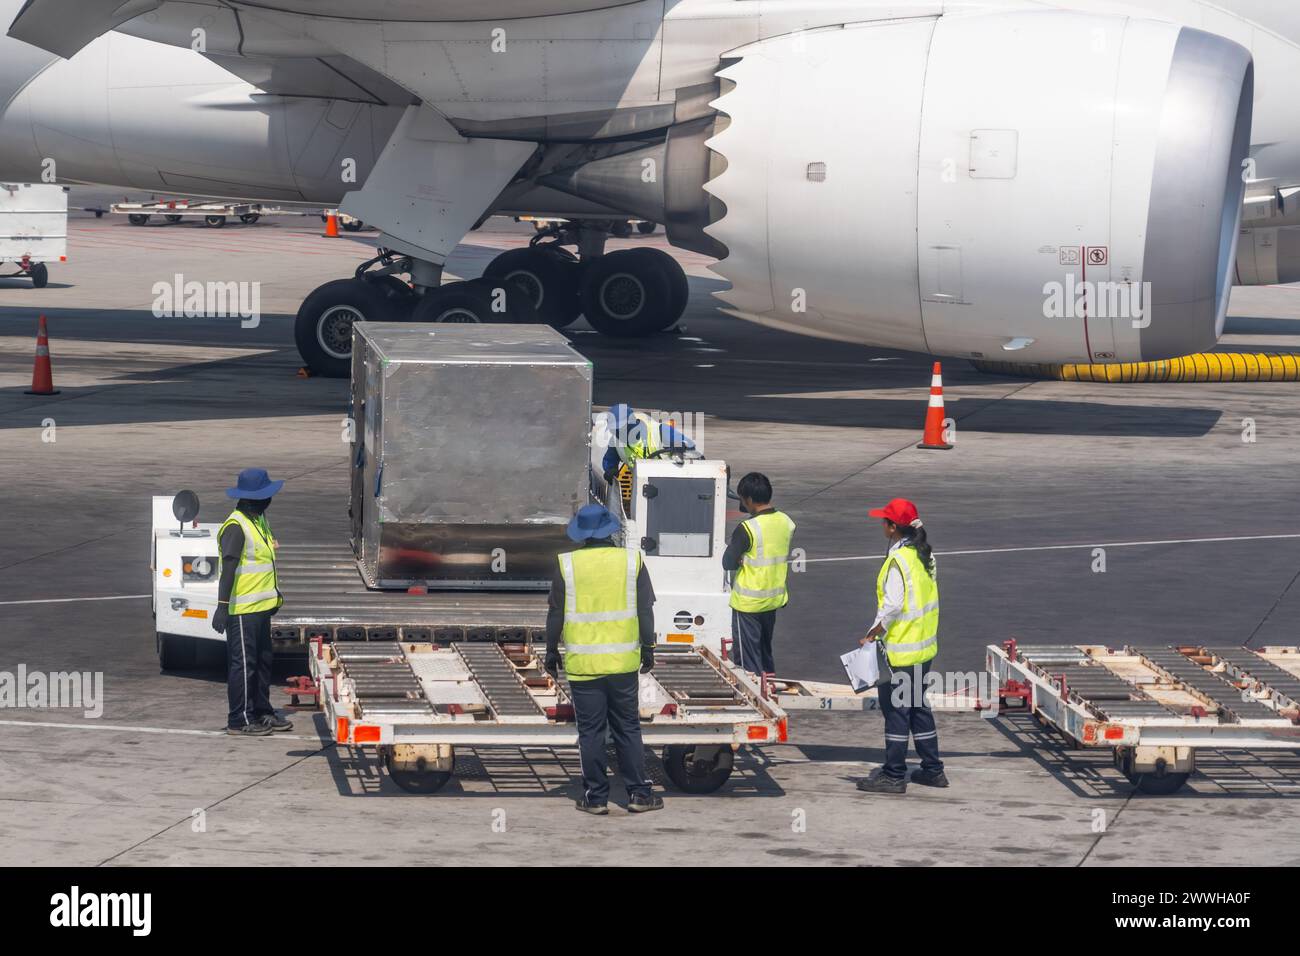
{"points": [[1045, 186]]}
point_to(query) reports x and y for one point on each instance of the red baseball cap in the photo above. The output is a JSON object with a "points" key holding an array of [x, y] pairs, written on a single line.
{"points": [[900, 511]]}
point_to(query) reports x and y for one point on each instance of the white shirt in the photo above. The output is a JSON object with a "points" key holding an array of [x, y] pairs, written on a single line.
{"points": [[892, 605]]}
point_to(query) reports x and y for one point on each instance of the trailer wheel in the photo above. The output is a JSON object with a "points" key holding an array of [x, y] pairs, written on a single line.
{"points": [[421, 780], [646, 228], [137, 218], [249, 218], [216, 222], [1155, 785], [40, 275], [352, 225], [175, 652], [698, 776], [323, 327]]}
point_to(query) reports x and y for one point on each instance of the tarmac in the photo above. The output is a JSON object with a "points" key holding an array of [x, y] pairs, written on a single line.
{"points": [[1200, 532]]}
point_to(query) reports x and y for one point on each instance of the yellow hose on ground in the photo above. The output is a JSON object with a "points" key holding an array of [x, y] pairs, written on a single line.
{"points": [[1201, 367]]}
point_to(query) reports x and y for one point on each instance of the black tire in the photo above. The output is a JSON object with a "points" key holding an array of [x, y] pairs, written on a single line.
{"points": [[679, 287], [419, 781], [173, 219], [175, 652], [550, 281], [216, 222], [691, 776], [249, 218], [478, 300], [399, 294], [625, 294], [323, 327], [137, 218], [40, 275], [352, 225], [646, 228]]}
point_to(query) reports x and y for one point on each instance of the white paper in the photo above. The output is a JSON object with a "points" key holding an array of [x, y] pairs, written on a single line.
{"points": [[862, 665]]}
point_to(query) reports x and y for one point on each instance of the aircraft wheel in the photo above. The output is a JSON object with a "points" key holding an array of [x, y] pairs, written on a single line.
{"points": [[548, 278], [626, 294], [40, 275], [698, 776], [216, 222], [137, 218], [679, 288], [323, 328], [478, 300]]}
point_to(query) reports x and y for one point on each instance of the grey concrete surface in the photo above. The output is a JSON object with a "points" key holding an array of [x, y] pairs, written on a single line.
{"points": [[151, 405]]}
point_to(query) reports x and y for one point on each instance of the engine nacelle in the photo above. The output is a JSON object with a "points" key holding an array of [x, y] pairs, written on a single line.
{"points": [[1045, 186]]}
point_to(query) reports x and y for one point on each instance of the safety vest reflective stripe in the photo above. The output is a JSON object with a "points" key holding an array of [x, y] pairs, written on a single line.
{"points": [[604, 648], [760, 583], [257, 596]]}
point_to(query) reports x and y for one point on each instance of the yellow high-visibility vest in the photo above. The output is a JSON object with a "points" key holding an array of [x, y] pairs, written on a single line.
{"points": [[255, 588], [760, 580], [642, 440], [913, 636], [601, 635]]}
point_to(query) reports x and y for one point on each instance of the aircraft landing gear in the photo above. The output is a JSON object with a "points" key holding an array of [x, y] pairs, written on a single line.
{"points": [[625, 294]]}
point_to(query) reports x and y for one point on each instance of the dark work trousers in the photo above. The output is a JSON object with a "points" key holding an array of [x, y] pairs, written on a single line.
{"points": [[907, 713], [610, 701], [248, 659], [751, 645]]}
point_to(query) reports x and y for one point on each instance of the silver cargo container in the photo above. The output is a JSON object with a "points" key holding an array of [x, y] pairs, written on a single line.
{"points": [[471, 454]]}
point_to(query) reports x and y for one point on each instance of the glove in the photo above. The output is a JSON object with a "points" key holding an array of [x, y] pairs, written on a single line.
{"points": [[647, 658], [219, 618], [553, 663]]}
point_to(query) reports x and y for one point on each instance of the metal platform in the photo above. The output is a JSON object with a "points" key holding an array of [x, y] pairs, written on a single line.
{"points": [[1105, 693], [325, 597], [1243, 663], [1218, 692]]}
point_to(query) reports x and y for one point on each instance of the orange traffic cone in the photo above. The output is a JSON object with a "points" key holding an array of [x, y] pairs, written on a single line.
{"points": [[331, 226], [42, 371], [933, 437]]}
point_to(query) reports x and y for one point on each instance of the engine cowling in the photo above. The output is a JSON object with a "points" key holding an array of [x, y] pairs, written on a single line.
{"points": [[1046, 186]]}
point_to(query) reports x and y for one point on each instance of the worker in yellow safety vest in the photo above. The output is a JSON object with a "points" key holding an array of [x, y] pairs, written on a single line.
{"points": [[759, 553], [635, 435], [601, 607], [247, 596], [907, 621]]}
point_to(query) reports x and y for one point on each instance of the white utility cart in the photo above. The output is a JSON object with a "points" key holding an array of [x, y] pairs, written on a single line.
{"points": [[33, 229]]}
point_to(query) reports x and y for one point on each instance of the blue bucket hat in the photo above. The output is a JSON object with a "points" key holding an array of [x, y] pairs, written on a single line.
{"points": [[254, 483], [621, 414], [592, 521]]}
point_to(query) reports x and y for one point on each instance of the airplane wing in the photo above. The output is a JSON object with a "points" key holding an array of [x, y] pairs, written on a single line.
{"points": [[65, 26]]}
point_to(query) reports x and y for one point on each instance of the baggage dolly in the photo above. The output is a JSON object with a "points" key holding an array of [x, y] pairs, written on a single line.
{"points": [[1155, 706]]}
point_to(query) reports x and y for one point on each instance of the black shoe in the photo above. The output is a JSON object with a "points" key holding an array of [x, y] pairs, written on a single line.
{"points": [[880, 782], [644, 803], [596, 809], [277, 723], [250, 730], [930, 779]]}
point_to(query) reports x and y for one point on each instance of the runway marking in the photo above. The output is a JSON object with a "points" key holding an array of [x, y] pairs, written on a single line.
{"points": [[93, 725], [1066, 547], [110, 597]]}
